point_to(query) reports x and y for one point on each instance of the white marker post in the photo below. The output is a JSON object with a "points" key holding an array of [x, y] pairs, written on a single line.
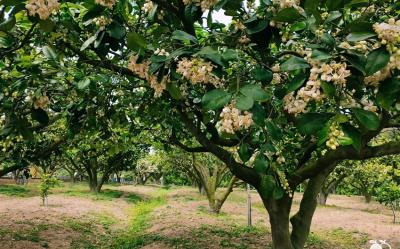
{"points": [[249, 223]]}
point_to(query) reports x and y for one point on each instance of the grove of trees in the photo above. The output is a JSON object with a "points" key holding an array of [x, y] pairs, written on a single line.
{"points": [[281, 95]]}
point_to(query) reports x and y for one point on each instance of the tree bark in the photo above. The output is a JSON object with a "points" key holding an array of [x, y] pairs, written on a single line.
{"points": [[279, 211], [322, 197], [301, 221], [368, 197]]}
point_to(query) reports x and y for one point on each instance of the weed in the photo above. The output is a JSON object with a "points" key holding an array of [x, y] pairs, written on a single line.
{"points": [[13, 190]]}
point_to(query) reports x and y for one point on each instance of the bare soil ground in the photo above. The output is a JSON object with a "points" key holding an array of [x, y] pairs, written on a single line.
{"points": [[184, 220]]}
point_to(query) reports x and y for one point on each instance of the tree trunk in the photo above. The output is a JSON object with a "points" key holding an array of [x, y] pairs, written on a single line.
{"points": [[278, 211], [322, 197], [394, 212], [367, 196]]}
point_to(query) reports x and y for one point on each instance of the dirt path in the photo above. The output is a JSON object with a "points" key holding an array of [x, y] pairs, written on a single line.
{"points": [[26, 221]]}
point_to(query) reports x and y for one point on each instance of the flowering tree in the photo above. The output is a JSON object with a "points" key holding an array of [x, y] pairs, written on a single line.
{"points": [[281, 95]]}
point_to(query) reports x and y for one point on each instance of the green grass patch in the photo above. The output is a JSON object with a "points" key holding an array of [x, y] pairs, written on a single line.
{"points": [[14, 190], [30, 234], [133, 198], [234, 237], [337, 238], [135, 236], [105, 195]]}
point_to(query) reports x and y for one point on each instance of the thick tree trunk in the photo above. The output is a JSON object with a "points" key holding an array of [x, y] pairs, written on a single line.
{"points": [[279, 211]]}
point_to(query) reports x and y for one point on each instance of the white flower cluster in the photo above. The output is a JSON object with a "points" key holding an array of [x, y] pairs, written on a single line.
{"points": [[44, 8], [102, 21], [161, 52], [232, 119], [332, 72], [198, 71], [239, 26], [204, 4], [284, 182], [368, 105], [361, 46], [282, 4], [244, 39], [276, 77], [41, 102], [106, 3], [142, 70], [148, 6], [389, 34], [294, 105], [334, 134]]}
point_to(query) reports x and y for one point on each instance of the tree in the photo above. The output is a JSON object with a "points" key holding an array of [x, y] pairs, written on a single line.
{"points": [[291, 88], [101, 157], [332, 181], [210, 172], [366, 177]]}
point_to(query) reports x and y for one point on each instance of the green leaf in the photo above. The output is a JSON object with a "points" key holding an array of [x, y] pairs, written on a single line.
{"points": [[376, 60], [83, 84], [273, 130], [6, 41], [294, 63], [261, 164], [320, 55], [334, 4], [258, 114], [88, 42], [49, 53], [262, 74], [297, 82], [298, 26], [278, 193], [358, 61], [311, 8], [359, 36], [352, 132], [345, 141], [116, 30], [389, 91], [8, 24], [46, 25], [267, 186], [215, 99], [260, 26], [255, 92], [288, 15], [333, 15], [244, 153], [183, 36], [136, 42], [328, 88], [40, 115], [367, 119], [244, 102], [174, 90], [95, 11], [230, 55], [311, 123], [211, 54], [323, 134]]}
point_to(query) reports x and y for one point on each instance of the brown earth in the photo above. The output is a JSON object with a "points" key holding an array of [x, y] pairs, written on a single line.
{"points": [[185, 212]]}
